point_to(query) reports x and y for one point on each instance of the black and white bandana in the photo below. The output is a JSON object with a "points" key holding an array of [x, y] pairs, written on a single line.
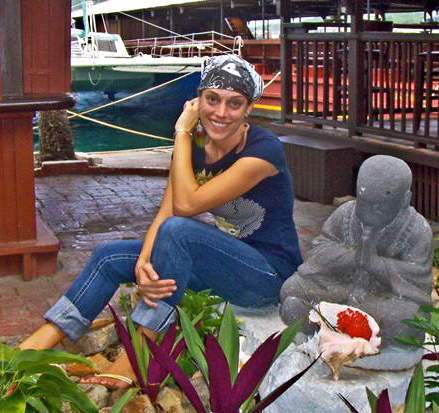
{"points": [[231, 72]]}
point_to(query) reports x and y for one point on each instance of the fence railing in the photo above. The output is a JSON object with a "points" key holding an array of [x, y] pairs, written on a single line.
{"points": [[386, 84], [185, 45]]}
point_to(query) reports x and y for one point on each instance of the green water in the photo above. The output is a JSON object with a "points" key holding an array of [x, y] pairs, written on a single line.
{"points": [[153, 113]]}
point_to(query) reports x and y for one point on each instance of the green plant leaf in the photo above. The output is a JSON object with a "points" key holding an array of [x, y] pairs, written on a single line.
{"points": [[44, 387], [46, 369], [40, 385], [141, 350], [415, 398], [122, 401], [6, 354], [228, 338], [434, 368], [53, 404], [180, 378], [287, 337], [372, 399], [432, 398], [418, 323], [428, 309], [38, 405], [13, 404], [29, 358], [67, 391], [194, 344], [409, 340], [435, 407]]}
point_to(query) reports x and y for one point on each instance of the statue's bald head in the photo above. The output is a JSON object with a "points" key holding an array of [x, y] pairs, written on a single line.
{"points": [[383, 189]]}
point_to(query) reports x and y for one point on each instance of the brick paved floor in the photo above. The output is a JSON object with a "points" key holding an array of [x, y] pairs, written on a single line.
{"points": [[85, 210]]}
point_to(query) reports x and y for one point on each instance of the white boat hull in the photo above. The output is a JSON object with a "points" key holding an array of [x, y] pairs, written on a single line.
{"points": [[112, 75]]}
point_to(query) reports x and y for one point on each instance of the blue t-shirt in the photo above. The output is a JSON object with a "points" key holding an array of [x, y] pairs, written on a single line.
{"points": [[263, 216]]}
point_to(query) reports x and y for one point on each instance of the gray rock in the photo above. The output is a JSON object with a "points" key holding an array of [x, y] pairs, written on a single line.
{"points": [[391, 358], [93, 341], [139, 404], [341, 200], [317, 392], [97, 393]]}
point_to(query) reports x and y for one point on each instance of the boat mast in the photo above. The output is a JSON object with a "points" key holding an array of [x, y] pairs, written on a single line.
{"points": [[89, 21], [84, 18]]}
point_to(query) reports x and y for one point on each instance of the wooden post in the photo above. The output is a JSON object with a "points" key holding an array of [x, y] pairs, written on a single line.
{"points": [[286, 60], [356, 55], [35, 75]]}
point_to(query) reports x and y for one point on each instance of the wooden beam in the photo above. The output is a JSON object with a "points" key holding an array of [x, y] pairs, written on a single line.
{"points": [[286, 60], [356, 56], [11, 48]]}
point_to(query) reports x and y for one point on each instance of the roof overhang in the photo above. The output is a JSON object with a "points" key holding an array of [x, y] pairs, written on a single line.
{"points": [[251, 8], [114, 6]]}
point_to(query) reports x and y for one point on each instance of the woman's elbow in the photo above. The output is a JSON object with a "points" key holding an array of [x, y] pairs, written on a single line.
{"points": [[183, 209]]}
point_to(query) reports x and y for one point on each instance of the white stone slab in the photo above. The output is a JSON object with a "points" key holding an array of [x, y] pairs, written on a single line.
{"points": [[316, 392]]}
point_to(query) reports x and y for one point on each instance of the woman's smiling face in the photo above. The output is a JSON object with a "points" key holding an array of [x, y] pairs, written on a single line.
{"points": [[222, 112]]}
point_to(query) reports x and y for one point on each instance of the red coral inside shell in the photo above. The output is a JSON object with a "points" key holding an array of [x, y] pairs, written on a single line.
{"points": [[354, 324]]}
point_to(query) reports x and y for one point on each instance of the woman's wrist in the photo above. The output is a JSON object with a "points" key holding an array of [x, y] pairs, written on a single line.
{"points": [[182, 130]]}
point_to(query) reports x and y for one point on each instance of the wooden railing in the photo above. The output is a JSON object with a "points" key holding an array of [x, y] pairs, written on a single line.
{"points": [[386, 84]]}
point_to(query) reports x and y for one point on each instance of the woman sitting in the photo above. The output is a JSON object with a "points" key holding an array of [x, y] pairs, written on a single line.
{"points": [[232, 169]]}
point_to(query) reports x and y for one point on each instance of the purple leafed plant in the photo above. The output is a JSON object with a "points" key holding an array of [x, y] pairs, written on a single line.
{"points": [[225, 396], [382, 403], [156, 374], [414, 400]]}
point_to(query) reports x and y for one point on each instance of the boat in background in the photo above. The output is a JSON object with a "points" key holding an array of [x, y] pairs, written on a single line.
{"points": [[100, 61]]}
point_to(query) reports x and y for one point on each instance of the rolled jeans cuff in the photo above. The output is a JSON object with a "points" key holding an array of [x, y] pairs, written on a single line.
{"points": [[67, 318], [157, 319]]}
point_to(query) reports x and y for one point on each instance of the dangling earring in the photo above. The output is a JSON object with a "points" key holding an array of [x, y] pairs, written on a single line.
{"points": [[200, 135]]}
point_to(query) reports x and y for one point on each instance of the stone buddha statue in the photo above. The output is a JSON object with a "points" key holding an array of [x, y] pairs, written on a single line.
{"points": [[374, 253]]}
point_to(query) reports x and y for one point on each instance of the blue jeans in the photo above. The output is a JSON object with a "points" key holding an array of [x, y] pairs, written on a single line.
{"points": [[195, 254]]}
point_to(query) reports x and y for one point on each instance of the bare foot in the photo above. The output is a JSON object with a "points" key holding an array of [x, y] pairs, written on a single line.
{"points": [[120, 374]]}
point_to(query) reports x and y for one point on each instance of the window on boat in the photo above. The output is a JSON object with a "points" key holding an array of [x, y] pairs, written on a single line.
{"points": [[107, 45]]}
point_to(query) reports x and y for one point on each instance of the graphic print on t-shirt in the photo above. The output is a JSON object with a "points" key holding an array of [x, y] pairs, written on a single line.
{"points": [[240, 217]]}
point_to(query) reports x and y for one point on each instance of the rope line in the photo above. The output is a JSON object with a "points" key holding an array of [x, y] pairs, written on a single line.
{"points": [[75, 114], [111, 125], [273, 79], [133, 131]]}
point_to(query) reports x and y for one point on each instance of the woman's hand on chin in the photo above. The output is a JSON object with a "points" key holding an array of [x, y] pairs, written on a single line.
{"points": [[189, 117]]}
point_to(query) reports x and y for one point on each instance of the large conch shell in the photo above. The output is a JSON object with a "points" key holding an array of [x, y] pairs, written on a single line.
{"points": [[346, 333]]}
